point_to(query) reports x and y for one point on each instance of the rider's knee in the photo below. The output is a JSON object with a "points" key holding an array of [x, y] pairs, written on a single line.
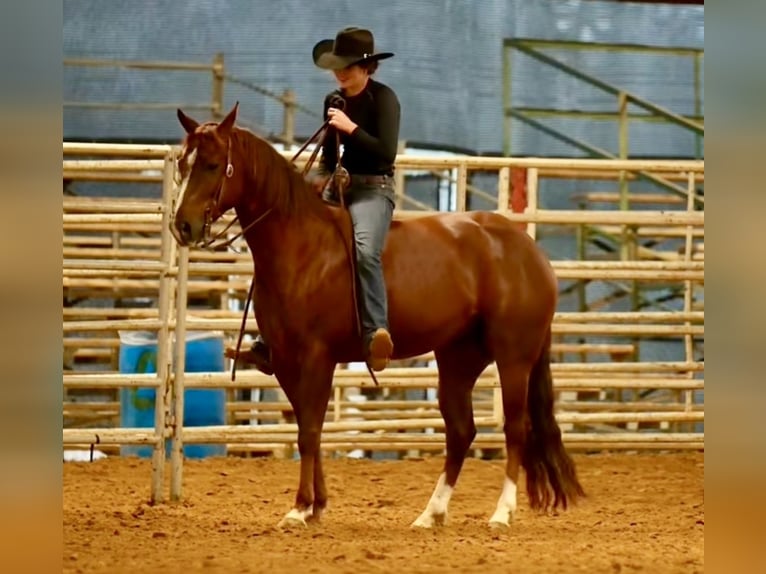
{"points": [[366, 255]]}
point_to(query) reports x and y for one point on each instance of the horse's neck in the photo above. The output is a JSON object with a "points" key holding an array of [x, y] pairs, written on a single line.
{"points": [[296, 237], [292, 252]]}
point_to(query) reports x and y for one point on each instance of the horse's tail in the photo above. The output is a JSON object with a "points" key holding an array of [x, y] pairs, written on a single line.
{"points": [[549, 470]]}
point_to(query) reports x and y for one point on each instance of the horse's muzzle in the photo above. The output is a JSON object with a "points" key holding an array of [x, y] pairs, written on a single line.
{"points": [[186, 232]]}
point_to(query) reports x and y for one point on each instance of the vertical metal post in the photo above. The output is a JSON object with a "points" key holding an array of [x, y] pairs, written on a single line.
{"points": [[622, 104], [218, 80], [177, 442]]}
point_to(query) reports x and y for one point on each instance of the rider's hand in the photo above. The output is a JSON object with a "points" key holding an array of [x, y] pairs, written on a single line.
{"points": [[340, 121]]}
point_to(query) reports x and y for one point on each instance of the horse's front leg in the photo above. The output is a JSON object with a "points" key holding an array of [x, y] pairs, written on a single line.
{"points": [[309, 395], [320, 489]]}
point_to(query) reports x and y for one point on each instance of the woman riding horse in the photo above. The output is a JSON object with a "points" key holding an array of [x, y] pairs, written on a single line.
{"points": [[369, 130]]}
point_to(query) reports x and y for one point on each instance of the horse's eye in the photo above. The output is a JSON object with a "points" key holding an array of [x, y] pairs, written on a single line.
{"points": [[212, 166]]}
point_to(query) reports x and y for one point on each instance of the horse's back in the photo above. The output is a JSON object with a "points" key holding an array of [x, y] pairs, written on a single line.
{"points": [[449, 271], [482, 240], [520, 274]]}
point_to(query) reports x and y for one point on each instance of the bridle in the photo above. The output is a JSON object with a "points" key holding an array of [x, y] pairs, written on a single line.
{"points": [[340, 176], [213, 211]]}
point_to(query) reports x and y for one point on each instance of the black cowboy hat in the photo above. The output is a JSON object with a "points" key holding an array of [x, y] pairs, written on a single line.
{"points": [[352, 45]]}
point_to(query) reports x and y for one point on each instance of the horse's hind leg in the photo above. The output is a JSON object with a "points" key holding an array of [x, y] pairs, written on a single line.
{"points": [[514, 377], [459, 365]]}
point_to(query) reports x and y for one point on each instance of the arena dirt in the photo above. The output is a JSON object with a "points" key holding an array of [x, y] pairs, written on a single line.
{"points": [[644, 513]]}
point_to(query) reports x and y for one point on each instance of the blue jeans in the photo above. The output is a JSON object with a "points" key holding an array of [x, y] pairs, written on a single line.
{"points": [[371, 208]]}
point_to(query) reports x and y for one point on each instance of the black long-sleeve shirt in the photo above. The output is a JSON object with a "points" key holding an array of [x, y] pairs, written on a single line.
{"points": [[371, 148]]}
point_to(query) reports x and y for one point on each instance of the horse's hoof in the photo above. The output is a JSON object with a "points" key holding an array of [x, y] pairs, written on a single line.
{"points": [[295, 519], [292, 522], [501, 519], [429, 521], [315, 517]]}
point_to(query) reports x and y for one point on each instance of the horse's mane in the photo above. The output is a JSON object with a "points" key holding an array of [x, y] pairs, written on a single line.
{"points": [[278, 183]]}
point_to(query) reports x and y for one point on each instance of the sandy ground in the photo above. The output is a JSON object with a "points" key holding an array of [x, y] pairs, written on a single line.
{"points": [[643, 513]]}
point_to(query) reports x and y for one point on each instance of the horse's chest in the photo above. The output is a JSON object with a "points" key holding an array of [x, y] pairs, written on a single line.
{"points": [[324, 311]]}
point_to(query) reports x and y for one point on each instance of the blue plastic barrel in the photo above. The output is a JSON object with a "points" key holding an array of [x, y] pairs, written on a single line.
{"points": [[202, 407]]}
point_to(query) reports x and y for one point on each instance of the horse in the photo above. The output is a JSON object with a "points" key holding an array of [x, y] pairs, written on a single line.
{"points": [[471, 287]]}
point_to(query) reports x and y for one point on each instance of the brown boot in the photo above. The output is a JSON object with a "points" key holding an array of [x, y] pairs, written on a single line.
{"points": [[258, 355], [380, 349]]}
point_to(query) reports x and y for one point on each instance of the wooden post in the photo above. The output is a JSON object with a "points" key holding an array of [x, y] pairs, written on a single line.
{"points": [[218, 81], [288, 120], [582, 253], [118, 302], [462, 187], [177, 424], [399, 181], [504, 204], [337, 398], [622, 105], [628, 245], [162, 395], [504, 189], [631, 253], [688, 291]]}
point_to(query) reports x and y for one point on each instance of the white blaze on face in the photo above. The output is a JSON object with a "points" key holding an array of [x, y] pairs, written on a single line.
{"points": [[185, 181], [506, 505]]}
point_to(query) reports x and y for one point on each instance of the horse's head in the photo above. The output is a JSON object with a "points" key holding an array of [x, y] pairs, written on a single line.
{"points": [[203, 175]]}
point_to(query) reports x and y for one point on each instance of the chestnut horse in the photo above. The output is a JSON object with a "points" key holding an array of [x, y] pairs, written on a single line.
{"points": [[471, 287]]}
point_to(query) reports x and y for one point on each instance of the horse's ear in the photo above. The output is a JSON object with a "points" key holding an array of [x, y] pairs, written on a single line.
{"points": [[224, 128], [189, 124]]}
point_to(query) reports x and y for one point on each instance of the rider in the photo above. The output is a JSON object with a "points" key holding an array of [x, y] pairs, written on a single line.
{"points": [[368, 126]]}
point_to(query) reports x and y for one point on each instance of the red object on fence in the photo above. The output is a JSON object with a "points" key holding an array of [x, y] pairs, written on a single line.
{"points": [[518, 196]]}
